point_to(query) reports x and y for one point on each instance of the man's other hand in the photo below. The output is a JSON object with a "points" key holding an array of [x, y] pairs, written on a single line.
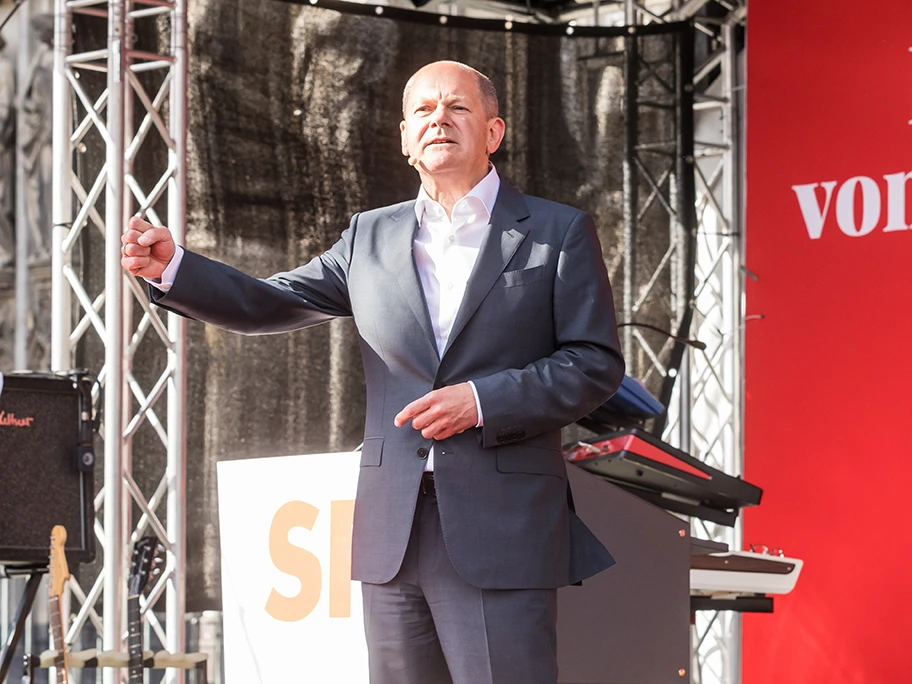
{"points": [[441, 413], [146, 250]]}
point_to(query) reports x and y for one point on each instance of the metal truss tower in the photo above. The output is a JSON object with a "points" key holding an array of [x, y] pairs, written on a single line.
{"points": [[715, 376], [707, 407], [709, 397], [141, 96]]}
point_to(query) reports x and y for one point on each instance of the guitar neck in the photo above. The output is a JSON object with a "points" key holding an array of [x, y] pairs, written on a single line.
{"points": [[56, 621], [134, 640]]}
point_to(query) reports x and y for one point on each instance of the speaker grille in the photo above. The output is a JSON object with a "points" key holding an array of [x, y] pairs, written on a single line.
{"points": [[40, 485]]}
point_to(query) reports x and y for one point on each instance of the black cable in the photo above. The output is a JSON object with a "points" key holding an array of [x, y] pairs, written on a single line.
{"points": [[80, 375], [9, 16], [89, 419], [696, 344]]}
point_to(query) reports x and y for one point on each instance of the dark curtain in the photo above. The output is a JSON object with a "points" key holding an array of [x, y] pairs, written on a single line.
{"points": [[294, 114], [293, 127]]}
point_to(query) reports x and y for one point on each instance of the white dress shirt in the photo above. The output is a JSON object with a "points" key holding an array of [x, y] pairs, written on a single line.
{"points": [[445, 253]]}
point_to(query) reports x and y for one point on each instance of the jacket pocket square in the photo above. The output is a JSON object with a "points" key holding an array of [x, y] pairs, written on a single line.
{"points": [[523, 276]]}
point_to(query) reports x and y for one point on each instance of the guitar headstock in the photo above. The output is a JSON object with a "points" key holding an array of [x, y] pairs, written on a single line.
{"points": [[58, 572], [143, 564]]}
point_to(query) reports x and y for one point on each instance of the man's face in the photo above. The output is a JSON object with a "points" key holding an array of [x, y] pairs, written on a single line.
{"points": [[446, 128]]}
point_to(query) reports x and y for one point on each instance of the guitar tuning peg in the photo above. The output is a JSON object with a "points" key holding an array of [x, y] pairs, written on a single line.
{"points": [[156, 572]]}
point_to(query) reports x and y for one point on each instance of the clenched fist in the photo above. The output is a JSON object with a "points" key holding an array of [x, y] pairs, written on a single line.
{"points": [[146, 250]]}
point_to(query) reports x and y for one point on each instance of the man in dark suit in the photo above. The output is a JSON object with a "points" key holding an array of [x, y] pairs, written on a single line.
{"points": [[486, 324]]}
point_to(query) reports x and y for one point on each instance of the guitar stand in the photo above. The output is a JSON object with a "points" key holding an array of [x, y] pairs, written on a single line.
{"points": [[34, 573], [92, 658]]}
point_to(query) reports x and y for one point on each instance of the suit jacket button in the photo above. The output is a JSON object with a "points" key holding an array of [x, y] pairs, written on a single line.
{"points": [[422, 453], [439, 385]]}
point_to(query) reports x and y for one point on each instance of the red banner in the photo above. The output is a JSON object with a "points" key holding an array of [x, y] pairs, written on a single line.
{"points": [[829, 207]]}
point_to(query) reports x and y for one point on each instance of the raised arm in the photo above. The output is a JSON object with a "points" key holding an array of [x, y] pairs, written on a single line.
{"points": [[216, 293]]}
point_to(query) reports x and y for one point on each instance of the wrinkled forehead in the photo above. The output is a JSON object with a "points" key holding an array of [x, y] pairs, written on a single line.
{"points": [[449, 84]]}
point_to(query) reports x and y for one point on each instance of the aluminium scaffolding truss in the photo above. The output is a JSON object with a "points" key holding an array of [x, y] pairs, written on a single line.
{"points": [[716, 397], [658, 188], [706, 404], [108, 309]]}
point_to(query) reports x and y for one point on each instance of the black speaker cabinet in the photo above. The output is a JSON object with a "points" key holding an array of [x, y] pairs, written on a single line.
{"points": [[46, 463]]}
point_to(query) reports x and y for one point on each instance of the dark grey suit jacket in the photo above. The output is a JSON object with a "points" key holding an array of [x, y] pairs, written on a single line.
{"points": [[536, 332]]}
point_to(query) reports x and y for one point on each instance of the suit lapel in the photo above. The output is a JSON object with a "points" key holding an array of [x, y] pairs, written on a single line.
{"points": [[498, 247], [399, 259]]}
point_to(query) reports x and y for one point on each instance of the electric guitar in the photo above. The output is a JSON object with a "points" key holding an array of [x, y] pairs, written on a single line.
{"points": [[58, 573], [142, 566]]}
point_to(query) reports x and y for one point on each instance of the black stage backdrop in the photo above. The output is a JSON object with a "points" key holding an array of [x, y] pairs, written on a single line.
{"points": [[294, 115], [293, 127]]}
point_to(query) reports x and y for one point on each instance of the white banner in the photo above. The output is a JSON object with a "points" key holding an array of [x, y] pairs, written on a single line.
{"points": [[291, 611]]}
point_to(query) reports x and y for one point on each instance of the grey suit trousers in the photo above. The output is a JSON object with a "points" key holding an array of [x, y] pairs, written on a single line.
{"points": [[429, 626]]}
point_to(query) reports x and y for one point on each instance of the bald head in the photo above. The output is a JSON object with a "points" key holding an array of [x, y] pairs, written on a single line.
{"points": [[486, 89]]}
